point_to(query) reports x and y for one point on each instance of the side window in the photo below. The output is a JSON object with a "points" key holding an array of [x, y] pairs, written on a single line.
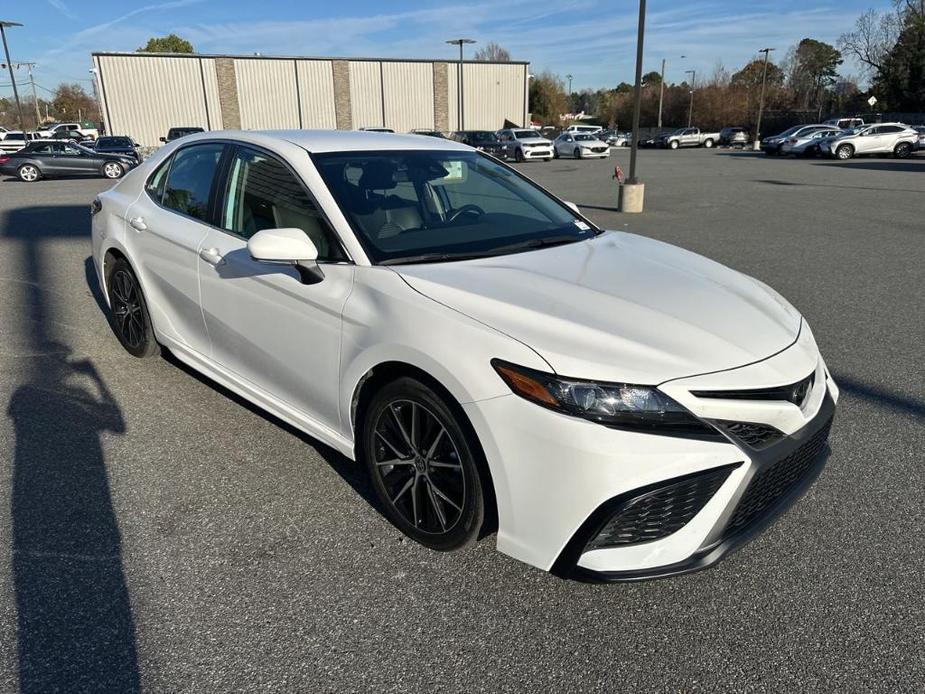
{"points": [[189, 180], [155, 185], [263, 194], [42, 149]]}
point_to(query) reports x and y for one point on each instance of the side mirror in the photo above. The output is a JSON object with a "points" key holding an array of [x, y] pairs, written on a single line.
{"points": [[573, 206], [287, 246], [163, 139]]}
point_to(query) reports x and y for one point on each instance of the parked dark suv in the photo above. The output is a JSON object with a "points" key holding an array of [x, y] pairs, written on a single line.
{"points": [[117, 144], [177, 133], [484, 140]]}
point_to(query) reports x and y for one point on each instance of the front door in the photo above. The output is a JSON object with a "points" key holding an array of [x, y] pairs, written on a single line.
{"points": [[265, 325]]}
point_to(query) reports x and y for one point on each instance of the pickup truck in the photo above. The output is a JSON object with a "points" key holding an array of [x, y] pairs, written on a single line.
{"points": [[64, 131], [690, 137]]}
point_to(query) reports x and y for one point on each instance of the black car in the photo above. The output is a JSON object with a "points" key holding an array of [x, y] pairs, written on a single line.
{"points": [[484, 140], [117, 144], [48, 159], [429, 133], [177, 133]]}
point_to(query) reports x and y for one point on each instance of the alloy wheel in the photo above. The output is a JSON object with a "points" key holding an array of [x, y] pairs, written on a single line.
{"points": [[28, 173], [112, 170], [127, 309], [419, 465]]}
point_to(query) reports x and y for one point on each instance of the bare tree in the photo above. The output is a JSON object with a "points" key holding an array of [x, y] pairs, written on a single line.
{"points": [[873, 37], [491, 52]]}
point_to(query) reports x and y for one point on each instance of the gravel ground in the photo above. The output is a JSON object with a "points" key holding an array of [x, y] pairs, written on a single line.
{"points": [[163, 536]]}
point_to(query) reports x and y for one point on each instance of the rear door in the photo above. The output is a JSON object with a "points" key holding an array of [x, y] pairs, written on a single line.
{"points": [[166, 226]]}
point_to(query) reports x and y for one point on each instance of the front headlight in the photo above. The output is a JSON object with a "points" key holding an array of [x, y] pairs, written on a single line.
{"points": [[618, 405]]}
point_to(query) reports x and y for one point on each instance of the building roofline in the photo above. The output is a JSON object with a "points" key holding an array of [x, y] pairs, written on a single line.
{"points": [[239, 56]]}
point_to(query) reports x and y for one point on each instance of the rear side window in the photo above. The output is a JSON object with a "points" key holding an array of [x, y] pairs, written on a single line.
{"points": [[189, 180], [41, 149]]}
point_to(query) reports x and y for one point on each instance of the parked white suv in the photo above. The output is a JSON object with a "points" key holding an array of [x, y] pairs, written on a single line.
{"points": [[592, 129], [882, 138], [64, 131], [521, 144]]}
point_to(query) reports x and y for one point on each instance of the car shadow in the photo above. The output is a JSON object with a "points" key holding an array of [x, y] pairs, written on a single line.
{"points": [[880, 396], [75, 628], [901, 165]]}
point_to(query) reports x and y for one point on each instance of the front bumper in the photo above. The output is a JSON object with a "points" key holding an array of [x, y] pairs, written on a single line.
{"points": [[537, 152], [553, 474]]}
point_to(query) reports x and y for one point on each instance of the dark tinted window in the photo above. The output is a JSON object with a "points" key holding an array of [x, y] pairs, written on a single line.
{"points": [[190, 180], [114, 142], [14, 136], [890, 129], [264, 194]]}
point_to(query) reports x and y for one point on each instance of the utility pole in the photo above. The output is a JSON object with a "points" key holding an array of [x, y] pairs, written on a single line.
{"points": [[633, 191], [569, 78], [764, 79], [690, 110], [9, 65], [460, 102], [661, 95]]}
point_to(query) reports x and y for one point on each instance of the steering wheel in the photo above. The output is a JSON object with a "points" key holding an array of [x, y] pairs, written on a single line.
{"points": [[465, 209]]}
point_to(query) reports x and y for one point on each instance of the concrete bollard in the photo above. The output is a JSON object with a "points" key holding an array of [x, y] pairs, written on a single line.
{"points": [[631, 197]]}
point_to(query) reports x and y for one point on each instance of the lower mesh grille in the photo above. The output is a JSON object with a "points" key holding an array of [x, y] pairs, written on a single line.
{"points": [[776, 480], [751, 434], [662, 511]]}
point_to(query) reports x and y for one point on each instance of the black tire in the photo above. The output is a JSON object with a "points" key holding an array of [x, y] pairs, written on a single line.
{"points": [[519, 155], [577, 153], [708, 143], [112, 170], [902, 150], [433, 496], [673, 144], [844, 152], [555, 153], [128, 311], [29, 173]]}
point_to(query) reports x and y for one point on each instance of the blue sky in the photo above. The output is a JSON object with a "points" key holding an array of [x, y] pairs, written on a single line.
{"points": [[591, 39]]}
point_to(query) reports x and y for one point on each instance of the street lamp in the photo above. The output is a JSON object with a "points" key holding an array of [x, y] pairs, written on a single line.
{"points": [[459, 98], [690, 110], [569, 78], [3, 27], [764, 79], [632, 192]]}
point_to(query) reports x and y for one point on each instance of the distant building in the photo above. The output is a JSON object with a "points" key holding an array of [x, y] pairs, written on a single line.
{"points": [[144, 94]]}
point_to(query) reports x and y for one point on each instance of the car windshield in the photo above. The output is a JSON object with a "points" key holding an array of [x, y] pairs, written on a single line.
{"points": [[114, 142], [526, 134], [585, 136], [481, 136], [421, 206]]}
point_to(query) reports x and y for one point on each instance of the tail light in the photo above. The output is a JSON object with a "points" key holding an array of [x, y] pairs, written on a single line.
{"points": [[4, 159]]}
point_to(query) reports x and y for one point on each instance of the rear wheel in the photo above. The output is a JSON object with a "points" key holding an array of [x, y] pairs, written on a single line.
{"points": [[112, 169], [902, 150], [844, 152], [708, 143], [129, 311], [422, 465], [29, 173]]}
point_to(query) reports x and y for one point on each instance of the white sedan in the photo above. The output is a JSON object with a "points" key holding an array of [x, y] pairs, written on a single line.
{"points": [[580, 146], [623, 407]]}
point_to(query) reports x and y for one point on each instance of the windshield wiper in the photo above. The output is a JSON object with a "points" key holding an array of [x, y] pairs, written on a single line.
{"points": [[528, 245]]}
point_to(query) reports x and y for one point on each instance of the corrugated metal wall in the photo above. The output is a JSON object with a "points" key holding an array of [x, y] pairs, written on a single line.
{"points": [[144, 95]]}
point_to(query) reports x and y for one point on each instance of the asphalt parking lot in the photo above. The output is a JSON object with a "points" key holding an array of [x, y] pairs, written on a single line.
{"points": [[159, 535]]}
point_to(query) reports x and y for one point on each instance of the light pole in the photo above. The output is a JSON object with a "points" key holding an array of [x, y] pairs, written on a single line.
{"points": [[9, 65], [690, 110], [632, 192], [569, 78], [764, 79], [459, 98], [661, 95]]}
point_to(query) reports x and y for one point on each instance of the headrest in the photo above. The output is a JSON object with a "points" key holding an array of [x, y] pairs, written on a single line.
{"points": [[378, 175]]}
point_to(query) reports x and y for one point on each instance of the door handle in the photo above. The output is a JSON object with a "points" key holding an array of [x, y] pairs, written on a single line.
{"points": [[211, 256], [138, 223]]}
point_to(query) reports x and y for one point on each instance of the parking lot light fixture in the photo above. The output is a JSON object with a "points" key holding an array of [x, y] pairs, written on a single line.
{"points": [[460, 103], [4, 25], [764, 79], [690, 110]]}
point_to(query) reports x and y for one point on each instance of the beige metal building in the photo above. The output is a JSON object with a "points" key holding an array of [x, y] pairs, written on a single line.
{"points": [[144, 94]]}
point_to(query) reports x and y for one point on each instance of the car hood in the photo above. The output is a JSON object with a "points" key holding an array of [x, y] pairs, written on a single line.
{"points": [[534, 141], [618, 307]]}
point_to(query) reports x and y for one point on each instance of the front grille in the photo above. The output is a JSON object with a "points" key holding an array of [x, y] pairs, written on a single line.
{"points": [[775, 481], [598, 149], [662, 511], [794, 392], [753, 435]]}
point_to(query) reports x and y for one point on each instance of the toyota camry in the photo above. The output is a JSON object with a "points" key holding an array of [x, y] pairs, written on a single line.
{"points": [[615, 407]]}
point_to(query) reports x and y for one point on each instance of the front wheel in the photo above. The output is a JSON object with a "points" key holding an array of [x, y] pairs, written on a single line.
{"points": [[844, 152], [422, 465], [903, 150], [577, 153], [129, 312], [519, 155], [29, 173], [113, 170], [708, 144], [673, 144]]}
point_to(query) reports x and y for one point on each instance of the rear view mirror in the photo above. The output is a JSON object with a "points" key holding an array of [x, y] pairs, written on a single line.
{"points": [[288, 246]]}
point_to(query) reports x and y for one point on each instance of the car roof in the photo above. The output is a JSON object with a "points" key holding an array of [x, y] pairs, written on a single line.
{"points": [[333, 140]]}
